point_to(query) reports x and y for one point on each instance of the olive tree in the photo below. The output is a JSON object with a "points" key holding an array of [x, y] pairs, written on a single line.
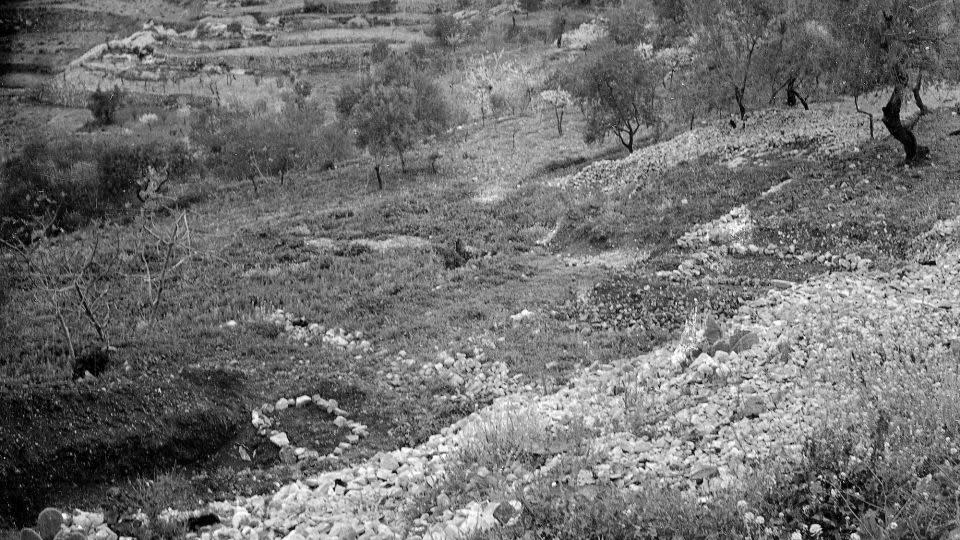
{"points": [[617, 89], [390, 109], [885, 44], [796, 54], [729, 38]]}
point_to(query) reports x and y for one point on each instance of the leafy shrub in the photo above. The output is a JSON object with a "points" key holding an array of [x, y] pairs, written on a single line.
{"points": [[104, 104], [383, 6], [886, 465], [63, 183], [235, 28], [498, 104], [557, 26], [379, 51], [673, 11], [617, 87], [243, 145], [391, 108], [121, 167], [558, 508], [626, 25], [531, 5], [301, 90], [444, 29]]}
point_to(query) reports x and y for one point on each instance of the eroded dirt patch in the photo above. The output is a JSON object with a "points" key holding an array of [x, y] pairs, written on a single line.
{"points": [[389, 243], [54, 438]]}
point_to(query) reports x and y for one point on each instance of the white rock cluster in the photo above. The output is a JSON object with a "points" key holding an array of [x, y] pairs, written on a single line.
{"points": [[90, 525], [261, 420], [821, 131], [694, 426], [713, 242], [309, 332], [472, 375]]}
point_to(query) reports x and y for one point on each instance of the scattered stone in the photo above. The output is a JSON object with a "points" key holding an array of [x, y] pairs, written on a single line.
{"points": [[704, 473], [104, 533], [343, 531], [49, 522], [389, 462], [523, 315], [280, 439], [752, 407]]}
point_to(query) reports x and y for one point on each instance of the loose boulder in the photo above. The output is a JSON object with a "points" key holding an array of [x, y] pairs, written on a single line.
{"points": [[49, 522]]}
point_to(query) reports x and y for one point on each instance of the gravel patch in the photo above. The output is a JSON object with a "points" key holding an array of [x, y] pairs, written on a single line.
{"points": [[826, 130], [695, 424]]}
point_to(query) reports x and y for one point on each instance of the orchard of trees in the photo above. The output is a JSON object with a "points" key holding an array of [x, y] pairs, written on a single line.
{"points": [[391, 108], [664, 63], [722, 55]]}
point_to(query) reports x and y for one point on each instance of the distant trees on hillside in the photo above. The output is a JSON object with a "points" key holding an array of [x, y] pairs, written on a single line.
{"points": [[672, 60], [729, 38], [390, 108]]}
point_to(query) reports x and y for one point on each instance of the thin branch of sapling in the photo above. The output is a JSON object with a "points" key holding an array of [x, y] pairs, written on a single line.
{"points": [[66, 332], [146, 266], [101, 333], [166, 264]]}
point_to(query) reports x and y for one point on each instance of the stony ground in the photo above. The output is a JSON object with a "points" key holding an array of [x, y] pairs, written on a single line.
{"points": [[724, 400], [724, 331]]}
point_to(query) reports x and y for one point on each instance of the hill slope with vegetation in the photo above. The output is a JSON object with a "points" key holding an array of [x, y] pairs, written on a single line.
{"points": [[301, 286]]}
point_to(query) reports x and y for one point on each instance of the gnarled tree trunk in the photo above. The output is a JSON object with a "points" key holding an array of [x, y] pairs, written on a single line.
{"points": [[891, 119], [793, 95]]}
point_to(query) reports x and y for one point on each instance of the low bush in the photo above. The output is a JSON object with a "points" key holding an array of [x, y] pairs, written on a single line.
{"points": [[627, 25], [61, 183], [444, 29], [558, 508], [391, 109], [531, 5], [59, 91], [887, 466], [379, 51], [244, 145], [104, 104], [383, 6]]}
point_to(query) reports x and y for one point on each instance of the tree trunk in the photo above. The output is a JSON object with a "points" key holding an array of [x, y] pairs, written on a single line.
{"points": [[793, 95], [559, 113], [856, 103], [916, 95], [791, 92], [403, 162], [628, 142], [738, 95], [891, 119], [376, 169]]}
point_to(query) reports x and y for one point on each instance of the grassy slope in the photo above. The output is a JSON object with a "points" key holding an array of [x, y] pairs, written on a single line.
{"points": [[407, 299]]}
